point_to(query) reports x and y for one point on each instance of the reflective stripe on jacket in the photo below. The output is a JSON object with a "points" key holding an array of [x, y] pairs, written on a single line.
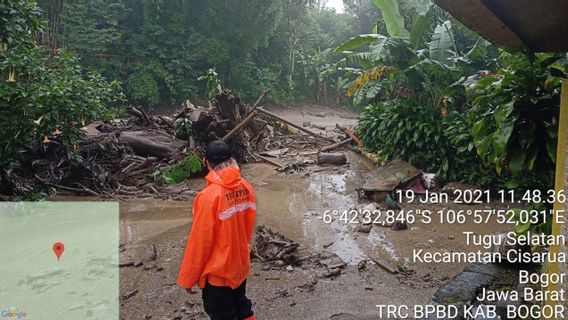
{"points": [[218, 247]]}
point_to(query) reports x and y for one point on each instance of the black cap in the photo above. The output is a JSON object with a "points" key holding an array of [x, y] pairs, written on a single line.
{"points": [[218, 152]]}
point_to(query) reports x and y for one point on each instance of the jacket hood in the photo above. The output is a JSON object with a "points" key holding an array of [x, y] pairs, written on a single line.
{"points": [[226, 174]]}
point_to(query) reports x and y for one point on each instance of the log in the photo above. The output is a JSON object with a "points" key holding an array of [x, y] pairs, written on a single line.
{"points": [[146, 163], [149, 121], [350, 134], [236, 129], [384, 266], [135, 112], [336, 145], [252, 114], [313, 134], [274, 163], [332, 158], [151, 143], [257, 103]]}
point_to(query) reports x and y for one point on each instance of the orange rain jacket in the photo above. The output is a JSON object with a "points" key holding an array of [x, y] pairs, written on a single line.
{"points": [[218, 247]]}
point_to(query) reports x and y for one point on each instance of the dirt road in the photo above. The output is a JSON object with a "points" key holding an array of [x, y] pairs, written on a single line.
{"points": [[153, 235]]}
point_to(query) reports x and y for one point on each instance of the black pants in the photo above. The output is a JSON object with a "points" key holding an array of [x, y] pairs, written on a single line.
{"points": [[224, 303]]}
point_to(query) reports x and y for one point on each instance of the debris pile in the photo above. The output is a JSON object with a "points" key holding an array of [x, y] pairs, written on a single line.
{"points": [[123, 158], [275, 248]]}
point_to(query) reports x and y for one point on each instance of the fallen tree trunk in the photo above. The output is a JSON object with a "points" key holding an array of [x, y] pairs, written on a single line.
{"points": [[332, 158], [236, 129], [151, 143], [141, 115]]}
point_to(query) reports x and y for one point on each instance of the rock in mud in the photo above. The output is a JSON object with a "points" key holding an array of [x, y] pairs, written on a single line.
{"points": [[364, 228], [332, 273], [399, 226], [362, 265], [333, 262], [463, 288]]}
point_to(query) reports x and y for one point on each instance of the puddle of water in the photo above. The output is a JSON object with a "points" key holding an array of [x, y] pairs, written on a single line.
{"points": [[142, 220], [379, 239], [297, 204]]}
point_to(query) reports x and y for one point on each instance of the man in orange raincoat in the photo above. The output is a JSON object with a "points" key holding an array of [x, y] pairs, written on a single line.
{"points": [[217, 255]]}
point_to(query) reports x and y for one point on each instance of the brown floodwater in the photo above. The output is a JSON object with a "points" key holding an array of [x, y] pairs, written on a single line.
{"points": [[293, 205]]}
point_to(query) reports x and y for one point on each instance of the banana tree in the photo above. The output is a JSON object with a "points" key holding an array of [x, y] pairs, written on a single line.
{"points": [[425, 60]]}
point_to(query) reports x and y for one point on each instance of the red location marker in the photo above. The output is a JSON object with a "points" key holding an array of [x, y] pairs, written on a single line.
{"points": [[58, 249]]}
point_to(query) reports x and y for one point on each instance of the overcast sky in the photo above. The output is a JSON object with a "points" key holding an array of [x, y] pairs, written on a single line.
{"points": [[337, 4]]}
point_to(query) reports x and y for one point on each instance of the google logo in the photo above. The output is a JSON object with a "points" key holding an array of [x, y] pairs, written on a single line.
{"points": [[13, 314]]}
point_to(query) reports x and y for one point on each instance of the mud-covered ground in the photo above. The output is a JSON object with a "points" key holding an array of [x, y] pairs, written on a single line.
{"points": [[153, 236]]}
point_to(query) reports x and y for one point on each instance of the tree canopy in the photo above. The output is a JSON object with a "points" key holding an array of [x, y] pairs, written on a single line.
{"points": [[158, 49]]}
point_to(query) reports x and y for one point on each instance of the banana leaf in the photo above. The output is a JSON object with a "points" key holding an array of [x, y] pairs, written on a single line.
{"points": [[392, 17], [442, 42], [358, 41]]}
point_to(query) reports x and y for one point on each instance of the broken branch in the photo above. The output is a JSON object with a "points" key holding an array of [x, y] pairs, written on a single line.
{"points": [[313, 134]]}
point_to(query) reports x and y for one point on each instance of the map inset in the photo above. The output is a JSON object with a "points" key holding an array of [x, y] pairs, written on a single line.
{"points": [[83, 284]]}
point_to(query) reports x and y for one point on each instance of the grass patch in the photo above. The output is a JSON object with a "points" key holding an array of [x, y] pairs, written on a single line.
{"points": [[179, 172]]}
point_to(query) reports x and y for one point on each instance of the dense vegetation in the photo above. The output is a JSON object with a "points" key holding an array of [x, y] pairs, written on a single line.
{"points": [[46, 94], [431, 91], [158, 49], [449, 102]]}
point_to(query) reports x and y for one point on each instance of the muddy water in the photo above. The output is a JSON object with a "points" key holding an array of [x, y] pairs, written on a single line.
{"points": [[143, 220], [293, 205]]}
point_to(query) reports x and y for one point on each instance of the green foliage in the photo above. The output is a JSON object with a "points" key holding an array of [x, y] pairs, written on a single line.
{"points": [[442, 42], [464, 164], [158, 49], [367, 17], [523, 223], [212, 82], [407, 130], [358, 41], [46, 94], [18, 21], [517, 112], [181, 171], [392, 17], [143, 89], [429, 63]]}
